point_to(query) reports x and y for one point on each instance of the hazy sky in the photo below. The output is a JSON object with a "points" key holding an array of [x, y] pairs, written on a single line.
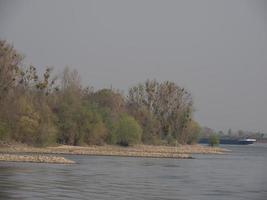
{"points": [[216, 49]]}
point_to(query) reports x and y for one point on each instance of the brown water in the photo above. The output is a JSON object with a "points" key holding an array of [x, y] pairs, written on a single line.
{"points": [[242, 174]]}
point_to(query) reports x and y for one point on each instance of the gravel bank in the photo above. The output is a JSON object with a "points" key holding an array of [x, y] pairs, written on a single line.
{"points": [[180, 152], [34, 158]]}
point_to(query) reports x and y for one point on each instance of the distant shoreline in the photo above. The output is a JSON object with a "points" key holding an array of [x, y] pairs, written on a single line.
{"points": [[148, 151]]}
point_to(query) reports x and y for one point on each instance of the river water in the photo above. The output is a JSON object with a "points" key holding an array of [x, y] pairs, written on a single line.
{"points": [[241, 174]]}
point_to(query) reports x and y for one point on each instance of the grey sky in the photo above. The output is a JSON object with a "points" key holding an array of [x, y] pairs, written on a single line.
{"points": [[216, 49]]}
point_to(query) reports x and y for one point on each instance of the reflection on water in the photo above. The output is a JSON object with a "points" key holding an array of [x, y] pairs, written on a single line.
{"points": [[238, 175]]}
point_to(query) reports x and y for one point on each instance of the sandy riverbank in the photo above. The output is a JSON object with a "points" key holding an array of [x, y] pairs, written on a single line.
{"points": [[34, 158], [180, 152]]}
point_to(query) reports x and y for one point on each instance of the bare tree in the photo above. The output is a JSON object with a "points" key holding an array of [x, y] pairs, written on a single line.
{"points": [[171, 104], [10, 62]]}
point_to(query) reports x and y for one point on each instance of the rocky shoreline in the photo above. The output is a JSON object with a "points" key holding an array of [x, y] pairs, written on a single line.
{"points": [[34, 158], [149, 151]]}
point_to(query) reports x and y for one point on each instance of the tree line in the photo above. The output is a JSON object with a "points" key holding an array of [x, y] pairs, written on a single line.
{"points": [[39, 109]]}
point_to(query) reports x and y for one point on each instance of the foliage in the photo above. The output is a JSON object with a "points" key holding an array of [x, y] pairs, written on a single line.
{"points": [[108, 98], [150, 125], [95, 131], [10, 63], [126, 131], [214, 140], [192, 132], [47, 130], [4, 131], [170, 104], [39, 109], [28, 121]]}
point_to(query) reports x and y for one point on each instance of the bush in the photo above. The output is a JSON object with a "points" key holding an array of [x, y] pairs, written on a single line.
{"points": [[193, 132], [28, 121], [4, 131], [27, 128], [149, 124], [47, 134], [95, 131], [126, 131], [214, 140]]}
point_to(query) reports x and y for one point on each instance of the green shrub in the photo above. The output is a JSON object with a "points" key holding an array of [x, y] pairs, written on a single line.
{"points": [[126, 131], [4, 131], [28, 129], [192, 132], [214, 140], [149, 124], [47, 134], [96, 133]]}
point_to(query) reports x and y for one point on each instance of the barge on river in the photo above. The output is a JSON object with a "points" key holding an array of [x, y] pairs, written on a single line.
{"points": [[230, 141]]}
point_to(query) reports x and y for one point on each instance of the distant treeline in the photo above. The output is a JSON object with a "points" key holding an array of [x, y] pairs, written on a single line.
{"points": [[42, 110], [206, 132]]}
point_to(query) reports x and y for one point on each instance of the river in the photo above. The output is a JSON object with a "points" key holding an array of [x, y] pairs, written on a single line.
{"points": [[239, 175]]}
